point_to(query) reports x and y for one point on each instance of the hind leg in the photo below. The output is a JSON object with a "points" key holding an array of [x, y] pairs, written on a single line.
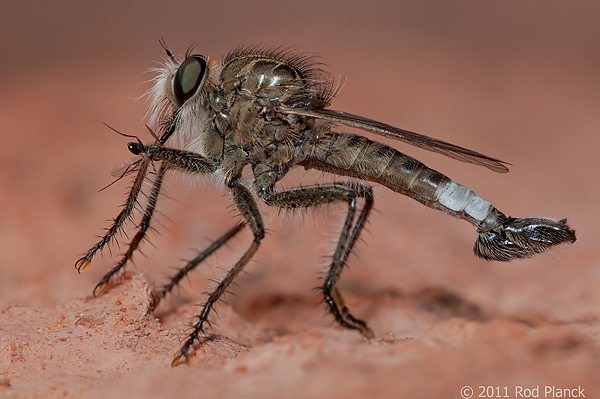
{"points": [[304, 197]]}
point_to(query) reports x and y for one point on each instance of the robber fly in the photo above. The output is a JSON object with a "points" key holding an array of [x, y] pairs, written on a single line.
{"points": [[269, 108]]}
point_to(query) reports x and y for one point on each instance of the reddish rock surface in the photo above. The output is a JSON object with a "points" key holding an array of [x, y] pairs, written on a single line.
{"points": [[113, 347], [518, 81]]}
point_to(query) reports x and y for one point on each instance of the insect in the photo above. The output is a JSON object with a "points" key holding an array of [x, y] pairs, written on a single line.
{"points": [[269, 109]]}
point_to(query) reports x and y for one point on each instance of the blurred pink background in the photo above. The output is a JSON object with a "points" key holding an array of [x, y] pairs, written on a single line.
{"points": [[515, 80]]}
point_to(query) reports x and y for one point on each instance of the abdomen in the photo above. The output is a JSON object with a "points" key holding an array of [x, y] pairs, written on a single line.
{"points": [[357, 156]]}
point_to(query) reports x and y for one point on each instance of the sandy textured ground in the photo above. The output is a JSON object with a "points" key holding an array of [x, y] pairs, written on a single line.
{"points": [[513, 80], [112, 347]]}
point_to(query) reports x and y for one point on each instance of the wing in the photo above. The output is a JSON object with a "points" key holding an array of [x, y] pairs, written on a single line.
{"points": [[123, 169], [126, 167], [418, 140]]}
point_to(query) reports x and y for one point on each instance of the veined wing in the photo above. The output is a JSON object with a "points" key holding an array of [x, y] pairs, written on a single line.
{"points": [[123, 169], [418, 140], [126, 167]]}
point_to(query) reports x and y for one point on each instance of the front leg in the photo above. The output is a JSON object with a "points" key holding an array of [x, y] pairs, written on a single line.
{"points": [[170, 159], [118, 223], [140, 236], [304, 197]]}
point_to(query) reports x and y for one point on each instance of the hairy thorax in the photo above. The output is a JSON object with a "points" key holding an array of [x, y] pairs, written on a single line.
{"points": [[253, 88]]}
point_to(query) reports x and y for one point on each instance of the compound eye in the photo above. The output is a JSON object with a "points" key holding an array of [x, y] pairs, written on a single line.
{"points": [[189, 78], [135, 148]]}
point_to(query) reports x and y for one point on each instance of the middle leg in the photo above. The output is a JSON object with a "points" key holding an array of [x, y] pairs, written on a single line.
{"points": [[192, 264], [248, 208]]}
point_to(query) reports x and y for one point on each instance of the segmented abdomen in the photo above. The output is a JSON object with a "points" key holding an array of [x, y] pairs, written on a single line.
{"points": [[357, 156]]}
